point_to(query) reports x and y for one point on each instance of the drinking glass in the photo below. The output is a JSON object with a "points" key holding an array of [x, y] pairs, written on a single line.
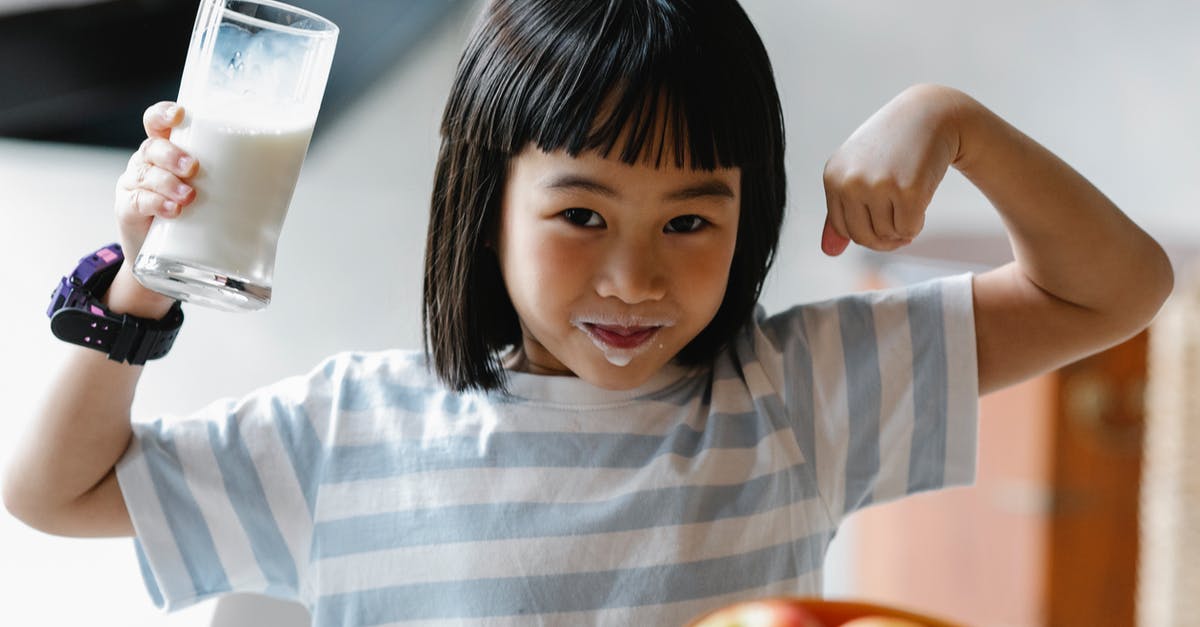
{"points": [[251, 87]]}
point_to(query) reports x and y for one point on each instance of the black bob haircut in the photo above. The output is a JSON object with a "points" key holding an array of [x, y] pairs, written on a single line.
{"points": [[541, 72]]}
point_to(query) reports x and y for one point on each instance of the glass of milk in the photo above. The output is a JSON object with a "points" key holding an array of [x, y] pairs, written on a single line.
{"points": [[251, 88]]}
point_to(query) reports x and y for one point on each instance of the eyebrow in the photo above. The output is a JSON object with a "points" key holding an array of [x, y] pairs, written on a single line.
{"points": [[711, 187]]}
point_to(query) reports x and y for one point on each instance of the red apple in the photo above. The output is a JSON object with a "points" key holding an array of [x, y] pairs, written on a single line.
{"points": [[761, 613], [881, 621]]}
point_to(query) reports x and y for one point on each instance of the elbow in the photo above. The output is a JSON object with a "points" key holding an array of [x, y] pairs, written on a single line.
{"points": [[1149, 290], [24, 506], [1160, 283]]}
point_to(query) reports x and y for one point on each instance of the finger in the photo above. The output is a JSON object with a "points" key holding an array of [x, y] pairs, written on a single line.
{"points": [[858, 225], [166, 155], [160, 117], [144, 202], [162, 186], [167, 185], [908, 222], [862, 227], [881, 219], [835, 213], [832, 243]]}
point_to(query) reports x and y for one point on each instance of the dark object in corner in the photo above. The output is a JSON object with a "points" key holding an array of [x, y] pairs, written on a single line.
{"points": [[84, 74]]}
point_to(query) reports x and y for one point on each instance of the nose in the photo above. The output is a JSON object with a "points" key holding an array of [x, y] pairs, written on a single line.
{"points": [[633, 272]]}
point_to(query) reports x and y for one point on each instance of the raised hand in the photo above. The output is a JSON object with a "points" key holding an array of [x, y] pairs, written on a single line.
{"points": [[156, 183], [880, 181], [156, 180]]}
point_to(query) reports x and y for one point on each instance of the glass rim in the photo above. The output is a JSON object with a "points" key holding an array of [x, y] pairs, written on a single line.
{"points": [[330, 29]]}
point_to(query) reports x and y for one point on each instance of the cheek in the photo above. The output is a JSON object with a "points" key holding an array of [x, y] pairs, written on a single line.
{"points": [[542, 268], [706, 272]]}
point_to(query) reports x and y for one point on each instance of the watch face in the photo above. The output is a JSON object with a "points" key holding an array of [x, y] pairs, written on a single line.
{"points": [[98, 262]]}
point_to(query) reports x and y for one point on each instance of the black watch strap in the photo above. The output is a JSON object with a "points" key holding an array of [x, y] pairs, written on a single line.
{"points": [[121, 336]]}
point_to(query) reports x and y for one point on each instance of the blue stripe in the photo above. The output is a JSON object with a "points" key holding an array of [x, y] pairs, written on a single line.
{"points": [[797, 395], [502, 521], [927, 462], [191, 533], [249, 501], [303, 447], [539, 449], [574, 592], [863, 387], [798, 379]]}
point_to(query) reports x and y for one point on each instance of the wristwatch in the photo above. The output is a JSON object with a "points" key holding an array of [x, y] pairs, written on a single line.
{"points": [[77, 315]]}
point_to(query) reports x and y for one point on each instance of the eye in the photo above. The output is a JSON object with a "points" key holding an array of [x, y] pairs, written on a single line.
{"points": [[685, 224], [582, 217]]}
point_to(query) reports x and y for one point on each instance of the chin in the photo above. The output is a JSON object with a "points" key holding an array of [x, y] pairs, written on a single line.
{"points": [[617, 378]]}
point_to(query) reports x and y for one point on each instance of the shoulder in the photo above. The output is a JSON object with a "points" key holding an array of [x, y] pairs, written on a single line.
{"points": [[875, 326], [867, 313], [384, 364], [375, 369]]}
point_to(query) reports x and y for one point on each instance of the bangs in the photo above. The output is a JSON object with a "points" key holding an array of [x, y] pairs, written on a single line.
{"points": [[630, 78]]}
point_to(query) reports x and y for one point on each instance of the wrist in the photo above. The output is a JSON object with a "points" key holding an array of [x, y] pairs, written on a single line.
{"points": [[959, 118], [128, 296]]}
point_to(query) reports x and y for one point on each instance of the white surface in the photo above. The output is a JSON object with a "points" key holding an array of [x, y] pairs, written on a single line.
{"points": [[1109, 86]]}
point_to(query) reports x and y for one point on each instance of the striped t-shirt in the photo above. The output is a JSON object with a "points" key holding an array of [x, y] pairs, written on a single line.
{"points": [[368, 492]]}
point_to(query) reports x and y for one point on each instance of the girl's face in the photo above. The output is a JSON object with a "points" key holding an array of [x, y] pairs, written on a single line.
{"points": [[613, 268]]}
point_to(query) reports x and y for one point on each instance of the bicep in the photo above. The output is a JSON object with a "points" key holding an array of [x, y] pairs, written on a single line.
{"points": [[1022, 330]]}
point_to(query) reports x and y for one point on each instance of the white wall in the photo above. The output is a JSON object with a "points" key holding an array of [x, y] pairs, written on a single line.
{"points": [[1110, 86]]}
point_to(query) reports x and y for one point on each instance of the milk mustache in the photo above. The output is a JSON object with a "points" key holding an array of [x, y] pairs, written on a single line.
{"points": [[243, 187]]}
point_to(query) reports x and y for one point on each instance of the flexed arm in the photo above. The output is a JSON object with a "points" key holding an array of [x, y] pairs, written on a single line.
{"points": [[1085, 276]]}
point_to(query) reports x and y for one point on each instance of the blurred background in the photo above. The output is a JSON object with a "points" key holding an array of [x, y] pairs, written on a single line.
{"points": [[1050, 535]]}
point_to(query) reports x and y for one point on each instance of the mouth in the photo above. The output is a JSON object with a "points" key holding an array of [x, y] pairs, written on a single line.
{"points": [[620, 337]]}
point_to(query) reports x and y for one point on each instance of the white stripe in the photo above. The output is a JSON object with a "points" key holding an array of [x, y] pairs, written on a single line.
{"points": [[204, 479], [757, 379], [683, 612], [150, 525], [527, 557], [731, 396], [896, 398], [554, 485], [962, 406], [394, 424], [830, 404]]}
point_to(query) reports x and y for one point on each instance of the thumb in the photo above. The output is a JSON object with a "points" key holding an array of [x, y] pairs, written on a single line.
{"points": [[832, 244]]}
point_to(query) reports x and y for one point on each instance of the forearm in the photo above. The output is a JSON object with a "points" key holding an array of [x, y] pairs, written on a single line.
{"points": [[81, 430], [1068, 238]]}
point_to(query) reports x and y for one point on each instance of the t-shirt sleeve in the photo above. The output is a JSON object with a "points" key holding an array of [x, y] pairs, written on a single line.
{"points": [[883, 390], [223, 500]]}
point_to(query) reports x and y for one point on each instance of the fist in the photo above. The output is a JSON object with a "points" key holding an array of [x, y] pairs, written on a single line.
{"points": [[880, 181]]}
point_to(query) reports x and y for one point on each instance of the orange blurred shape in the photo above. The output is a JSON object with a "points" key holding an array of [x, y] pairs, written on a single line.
{"points": [[808, 612]]}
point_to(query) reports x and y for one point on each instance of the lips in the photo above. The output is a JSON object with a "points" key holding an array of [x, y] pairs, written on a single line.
{"points": [[622, 337]]}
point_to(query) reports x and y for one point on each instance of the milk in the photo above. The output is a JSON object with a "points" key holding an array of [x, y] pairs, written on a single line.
{"points": [[243, 188]]}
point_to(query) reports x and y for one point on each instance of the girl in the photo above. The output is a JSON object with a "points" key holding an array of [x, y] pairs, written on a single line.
{"points": [[604, 428]]}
